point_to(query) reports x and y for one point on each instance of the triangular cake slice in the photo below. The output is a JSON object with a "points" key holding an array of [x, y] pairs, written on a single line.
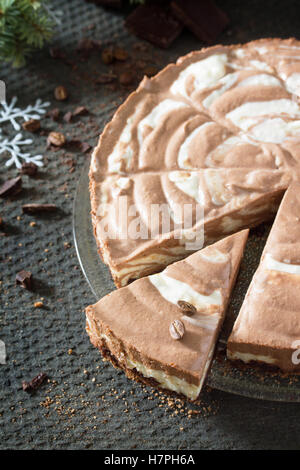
{"points": [[133, 243], [268, 326], [134, 326]]}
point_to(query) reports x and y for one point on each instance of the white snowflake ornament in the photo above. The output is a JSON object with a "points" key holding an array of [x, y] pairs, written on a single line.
{"points": [[10, 112], [16, 154]]}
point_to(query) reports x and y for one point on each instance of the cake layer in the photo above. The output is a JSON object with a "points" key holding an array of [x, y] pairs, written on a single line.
{"points": [[132, 325], [149, 220], [268, 326]]}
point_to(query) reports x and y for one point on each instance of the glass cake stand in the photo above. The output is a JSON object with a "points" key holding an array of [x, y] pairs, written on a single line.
{"points": [[254, 382]]}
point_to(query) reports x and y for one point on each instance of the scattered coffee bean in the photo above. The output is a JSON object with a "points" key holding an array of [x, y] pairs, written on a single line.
{"points": [[186, 307], [177, 329], [107, 55], [56, 138], [11, 187], [24, 279], [61, 93], [29, 168], [33, 125], [35, 383], [38, 208], [120, 54]]}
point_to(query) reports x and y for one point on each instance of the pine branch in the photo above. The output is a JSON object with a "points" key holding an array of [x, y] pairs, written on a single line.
{"points": [[24, 26]]}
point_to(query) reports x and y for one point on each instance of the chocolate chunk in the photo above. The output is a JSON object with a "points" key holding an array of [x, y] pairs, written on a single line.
{"points": [[80, 111], [11, 187], [155, 24], [24, 279], [177, 329], [54, 114], [32, 125], [61, 93], [186, 307], [38, 208], [29, 168], [56, 138], [202, 17], [35, 383], [68, 117], [105, 78]]}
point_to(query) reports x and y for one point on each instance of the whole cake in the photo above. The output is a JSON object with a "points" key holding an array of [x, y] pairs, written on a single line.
{"points": [[219, 129]]}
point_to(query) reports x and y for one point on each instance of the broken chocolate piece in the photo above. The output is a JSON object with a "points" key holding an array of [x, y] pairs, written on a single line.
{"points": [[38, 208], [68, 117], [202, 17], [11, 187], [107, 55], [155, 24], [35, 383], [120, 54], [29, 168], [126, 78], [24, 279], [80, 111], [105, 78], [54, 114]]}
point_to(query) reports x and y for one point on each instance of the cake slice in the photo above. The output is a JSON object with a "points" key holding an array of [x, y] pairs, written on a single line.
{"points": [[134, 242], [162, 329], [267, 329]]}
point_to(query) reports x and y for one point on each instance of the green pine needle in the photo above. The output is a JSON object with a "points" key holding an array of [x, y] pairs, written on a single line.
{"points": [[24, 26]]}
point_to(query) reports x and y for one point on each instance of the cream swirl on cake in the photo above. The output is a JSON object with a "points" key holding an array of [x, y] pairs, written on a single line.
{"points": [[223, 113]]}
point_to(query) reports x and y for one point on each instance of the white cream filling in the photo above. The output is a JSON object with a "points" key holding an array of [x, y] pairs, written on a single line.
{"points": [[206, 74], [186, 182], [122, 150], [246, 115], [153, 118], [216, 187], [214, 256], [173, 290], [226, 83], [275, 130], [274, 265], [170, 382], [248, 357], [293, 83], [183, 153], [262, 79]]}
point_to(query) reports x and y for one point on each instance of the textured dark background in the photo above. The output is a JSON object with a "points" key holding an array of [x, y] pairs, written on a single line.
{"points": [[87, 404]]}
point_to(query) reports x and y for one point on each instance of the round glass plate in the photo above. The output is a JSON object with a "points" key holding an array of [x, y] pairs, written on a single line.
{"points": [[254, 382]]}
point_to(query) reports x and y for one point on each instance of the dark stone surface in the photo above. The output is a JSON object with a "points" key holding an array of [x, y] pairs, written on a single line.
{"points": [[87, 404]]}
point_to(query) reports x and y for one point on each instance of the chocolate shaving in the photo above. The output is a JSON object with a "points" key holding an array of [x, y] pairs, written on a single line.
{"points": [[80, 111], [11, 187], [105, 78], [68, 117], [177, 329], [24, 279], [29, 168], [186, 307], [54, 114], [35, 383], [38, 208]]}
